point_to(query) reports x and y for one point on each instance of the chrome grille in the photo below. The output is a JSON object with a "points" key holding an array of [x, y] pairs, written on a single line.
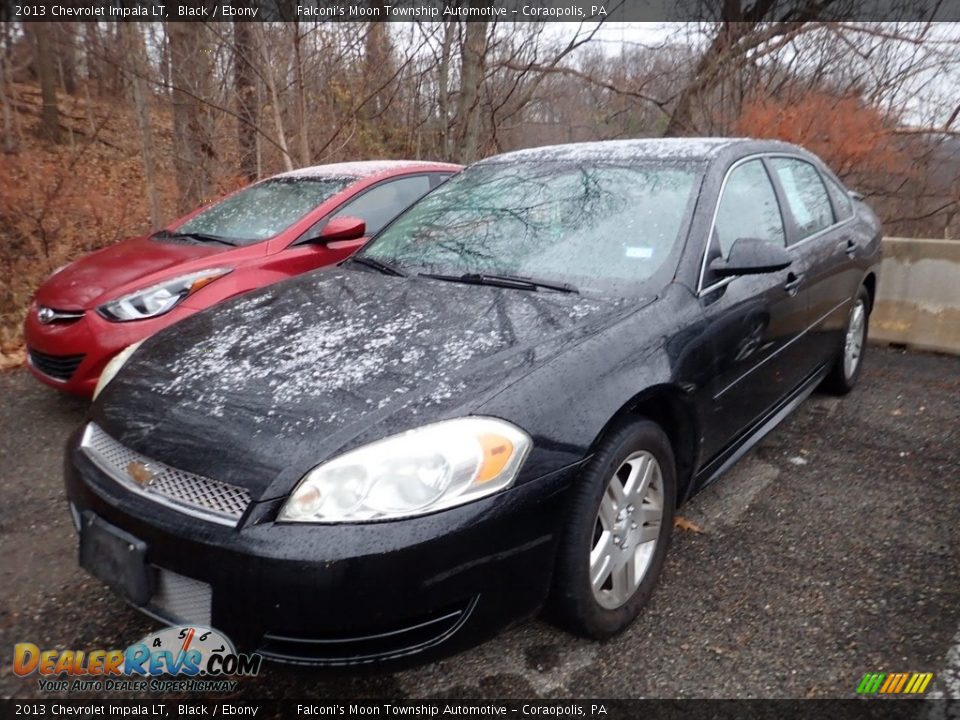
{"points": [[180, 599], [48, 315], [191, 494]]}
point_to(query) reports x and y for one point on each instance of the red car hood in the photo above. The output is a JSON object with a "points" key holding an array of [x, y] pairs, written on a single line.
{"points": [[97, 277]]}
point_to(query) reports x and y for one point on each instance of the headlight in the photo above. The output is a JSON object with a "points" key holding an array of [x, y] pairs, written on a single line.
{"points": [[421, 471], [160, 298], [113, 367]]}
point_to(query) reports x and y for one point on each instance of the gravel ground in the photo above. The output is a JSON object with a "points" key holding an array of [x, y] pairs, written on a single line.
{"points": [[831, 550]]}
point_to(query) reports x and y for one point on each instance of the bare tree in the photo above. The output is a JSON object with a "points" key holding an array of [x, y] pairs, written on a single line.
{"points": [[245, 85], [378, 63], [472, 69], [64, 36], [46, 73], [190, 72], [276, 107], [443, 87], [141, 102], [301, 95], [9, 127]]}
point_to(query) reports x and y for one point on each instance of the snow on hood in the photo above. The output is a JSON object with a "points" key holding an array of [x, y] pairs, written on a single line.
{"points": [[291, 374]]}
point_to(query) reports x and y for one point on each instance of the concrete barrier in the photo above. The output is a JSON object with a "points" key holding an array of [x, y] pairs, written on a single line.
{"points": [[918, 300]]}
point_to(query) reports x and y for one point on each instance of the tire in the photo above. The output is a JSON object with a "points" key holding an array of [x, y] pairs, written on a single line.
{"points": [[574, 604], [843, 376]]}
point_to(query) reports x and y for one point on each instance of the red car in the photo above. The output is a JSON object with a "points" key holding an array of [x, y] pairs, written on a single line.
{"points": [[90, 310]]}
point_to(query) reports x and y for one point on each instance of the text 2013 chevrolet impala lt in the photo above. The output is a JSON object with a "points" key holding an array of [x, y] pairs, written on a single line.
{"points": [[496, 405]]}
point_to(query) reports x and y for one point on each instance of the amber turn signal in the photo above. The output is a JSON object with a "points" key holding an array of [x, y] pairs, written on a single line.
{"points": [[497, 451]]}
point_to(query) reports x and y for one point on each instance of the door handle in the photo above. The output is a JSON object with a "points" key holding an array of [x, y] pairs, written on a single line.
{"points": [[850, 247], [792, 285]]}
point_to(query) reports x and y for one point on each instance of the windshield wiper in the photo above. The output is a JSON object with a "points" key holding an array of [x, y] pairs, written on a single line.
{"points": [[383, 267], [509, 281], [199, 237]]}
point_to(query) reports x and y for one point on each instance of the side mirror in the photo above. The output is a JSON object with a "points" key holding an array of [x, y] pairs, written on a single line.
{"points": [[341, 228], [750, 256]]}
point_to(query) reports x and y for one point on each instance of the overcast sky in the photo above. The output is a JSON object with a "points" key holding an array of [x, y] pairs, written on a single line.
{"points": [[938, 93]]}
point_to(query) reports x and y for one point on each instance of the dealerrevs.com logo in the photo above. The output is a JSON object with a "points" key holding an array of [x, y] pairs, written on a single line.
{"points": [[176, 659]]}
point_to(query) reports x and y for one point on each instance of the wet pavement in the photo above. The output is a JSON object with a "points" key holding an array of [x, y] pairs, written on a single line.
{"points": [[829, 551]]}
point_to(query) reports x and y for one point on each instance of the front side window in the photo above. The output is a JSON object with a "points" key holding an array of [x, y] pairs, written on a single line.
{"points": [[748, 208], [601, 227], [381, 204], [806, 195], [263, 210]]}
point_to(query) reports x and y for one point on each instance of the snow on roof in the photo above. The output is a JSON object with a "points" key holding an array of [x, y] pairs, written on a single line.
{"points": [[362, 168], [652, 148]]}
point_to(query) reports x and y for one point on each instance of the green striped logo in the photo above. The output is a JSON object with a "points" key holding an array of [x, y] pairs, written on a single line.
{"points": [[870, 683], [894, 683]]}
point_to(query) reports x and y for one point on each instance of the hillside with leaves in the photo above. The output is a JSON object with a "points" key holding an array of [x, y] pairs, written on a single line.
{"points": [[111, 129], [58, 201]]}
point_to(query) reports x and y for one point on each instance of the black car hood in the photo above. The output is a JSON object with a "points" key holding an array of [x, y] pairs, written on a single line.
{"points": [[257, 391]]}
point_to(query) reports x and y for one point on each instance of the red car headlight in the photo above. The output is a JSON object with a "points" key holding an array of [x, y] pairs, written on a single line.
{"points": [[158, 299]]}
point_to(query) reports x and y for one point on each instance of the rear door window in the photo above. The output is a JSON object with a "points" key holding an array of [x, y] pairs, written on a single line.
{"points": [[438, 179], [806, 195], [842, 204]]}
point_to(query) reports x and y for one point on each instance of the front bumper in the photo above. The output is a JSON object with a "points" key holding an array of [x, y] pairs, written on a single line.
{"points": [[348, 594], [70, 355]]}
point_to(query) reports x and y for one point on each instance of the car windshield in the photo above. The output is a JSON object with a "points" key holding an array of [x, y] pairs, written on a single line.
{"points": [[262, 210], [602, 227]]}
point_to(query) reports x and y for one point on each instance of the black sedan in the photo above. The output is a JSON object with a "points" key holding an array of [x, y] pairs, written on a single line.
{"points": [[495, 407]]}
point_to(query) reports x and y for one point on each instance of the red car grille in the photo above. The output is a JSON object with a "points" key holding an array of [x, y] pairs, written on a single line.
{"points": [[59, 367]]}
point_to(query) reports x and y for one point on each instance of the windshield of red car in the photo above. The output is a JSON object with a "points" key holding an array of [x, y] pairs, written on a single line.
{"points": [[594, 225], [264, 209]]}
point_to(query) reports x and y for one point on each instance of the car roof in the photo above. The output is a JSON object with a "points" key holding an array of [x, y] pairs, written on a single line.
{"points": [[680, 148], [365, 168]]}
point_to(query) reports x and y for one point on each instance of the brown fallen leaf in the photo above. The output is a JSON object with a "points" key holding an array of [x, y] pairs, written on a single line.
{"points": [[12, 358], [684, 524]]}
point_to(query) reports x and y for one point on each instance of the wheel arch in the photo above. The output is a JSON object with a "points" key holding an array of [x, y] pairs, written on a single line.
{"points": [[669, 407], [870, 283]]}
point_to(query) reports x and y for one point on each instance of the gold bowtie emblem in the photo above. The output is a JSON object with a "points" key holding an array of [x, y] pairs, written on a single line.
{"points": [[140, 473]]}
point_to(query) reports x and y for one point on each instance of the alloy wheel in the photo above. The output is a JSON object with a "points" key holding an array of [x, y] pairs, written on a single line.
{"points": [[627, 530], [853, 345]]}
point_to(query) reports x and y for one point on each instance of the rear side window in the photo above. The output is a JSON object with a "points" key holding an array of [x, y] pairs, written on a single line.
{"points": [[439, 179], [383, 203], [748, 208], [806, 195], [841, 199]]}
